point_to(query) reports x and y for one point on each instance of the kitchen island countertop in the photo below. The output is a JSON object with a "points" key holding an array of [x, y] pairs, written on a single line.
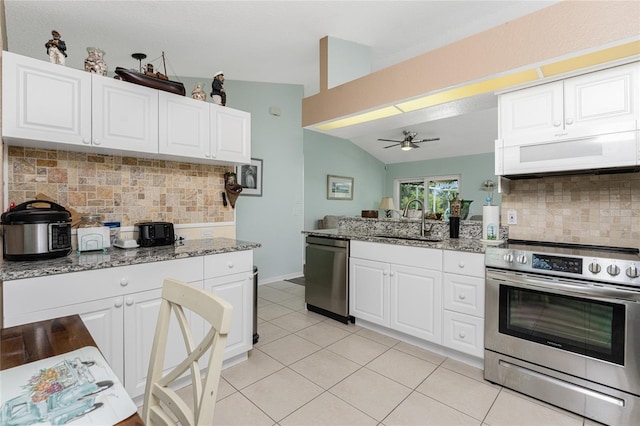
{"points": [[472, 245], [113, 256]]}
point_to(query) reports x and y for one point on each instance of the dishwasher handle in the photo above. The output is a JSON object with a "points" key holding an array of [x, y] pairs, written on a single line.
{"points": [[324, 241]]}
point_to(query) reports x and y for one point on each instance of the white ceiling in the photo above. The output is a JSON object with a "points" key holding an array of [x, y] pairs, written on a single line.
{"points": [[277, 42]]}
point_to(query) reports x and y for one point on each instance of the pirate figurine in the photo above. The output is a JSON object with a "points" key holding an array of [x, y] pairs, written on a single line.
{"points": [[218, 95], [56, 49]]}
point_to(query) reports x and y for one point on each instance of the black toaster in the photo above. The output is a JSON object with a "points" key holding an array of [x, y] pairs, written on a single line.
{"points": [[152, 234]]}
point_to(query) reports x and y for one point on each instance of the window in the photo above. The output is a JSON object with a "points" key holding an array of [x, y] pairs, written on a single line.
{"points": [[440, 190]]}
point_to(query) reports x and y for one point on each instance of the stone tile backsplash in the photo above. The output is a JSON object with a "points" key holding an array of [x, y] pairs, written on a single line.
{"points": [[124, 189], [589, 209]]}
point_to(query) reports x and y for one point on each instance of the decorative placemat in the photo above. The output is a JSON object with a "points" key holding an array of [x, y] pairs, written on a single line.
{"points": [[78, 387]]}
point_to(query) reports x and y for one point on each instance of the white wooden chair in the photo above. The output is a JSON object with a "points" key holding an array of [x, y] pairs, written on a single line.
{"points": [[161, 403]]}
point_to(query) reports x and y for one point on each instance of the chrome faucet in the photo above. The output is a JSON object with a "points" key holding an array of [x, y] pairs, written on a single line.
{"points": [[406, 210]]}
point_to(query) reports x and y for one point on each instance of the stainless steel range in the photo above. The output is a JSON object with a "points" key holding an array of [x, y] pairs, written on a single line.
{"points": [[563, 325]]}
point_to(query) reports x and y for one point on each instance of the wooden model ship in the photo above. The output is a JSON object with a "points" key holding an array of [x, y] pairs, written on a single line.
{"points": [[150, 78]]}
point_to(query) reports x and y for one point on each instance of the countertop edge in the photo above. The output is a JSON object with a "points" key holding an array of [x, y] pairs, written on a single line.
{"points": [[116, 257], [471, 245]]}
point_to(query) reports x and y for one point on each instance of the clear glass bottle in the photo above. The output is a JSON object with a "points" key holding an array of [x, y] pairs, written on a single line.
{"points": [[90, 221]]}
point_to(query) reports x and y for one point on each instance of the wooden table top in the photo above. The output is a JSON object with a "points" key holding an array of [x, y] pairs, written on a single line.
{"points": [[32, 342]]}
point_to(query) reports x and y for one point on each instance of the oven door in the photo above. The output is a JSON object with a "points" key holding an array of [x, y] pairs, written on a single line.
{"points": [[574, 327]]}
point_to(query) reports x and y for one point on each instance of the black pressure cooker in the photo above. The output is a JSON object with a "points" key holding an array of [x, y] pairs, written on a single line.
{"points": [[35, 233]]}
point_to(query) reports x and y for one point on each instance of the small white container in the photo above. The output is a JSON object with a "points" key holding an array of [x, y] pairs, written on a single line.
{"points": [[90, 239]]}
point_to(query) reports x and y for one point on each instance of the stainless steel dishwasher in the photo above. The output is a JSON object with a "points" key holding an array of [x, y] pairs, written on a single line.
{"points": [[327, 277]]}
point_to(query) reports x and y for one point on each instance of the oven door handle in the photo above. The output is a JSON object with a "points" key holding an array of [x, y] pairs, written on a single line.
{"points": [[565, 287]]}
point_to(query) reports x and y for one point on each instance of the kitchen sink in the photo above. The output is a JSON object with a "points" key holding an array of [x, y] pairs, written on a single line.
{"points": [[413, 238]]}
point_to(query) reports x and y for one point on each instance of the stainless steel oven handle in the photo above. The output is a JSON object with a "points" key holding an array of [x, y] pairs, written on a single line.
{"points": [[564, 286], [575, 388]]}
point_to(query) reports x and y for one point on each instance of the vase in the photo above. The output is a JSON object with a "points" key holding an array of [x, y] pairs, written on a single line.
{"points": [[464, 211], [95, 62]]}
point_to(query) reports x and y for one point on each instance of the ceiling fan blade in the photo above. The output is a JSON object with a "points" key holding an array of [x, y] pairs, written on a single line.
{"points": [[426, 140], [413, 145], [395, 144], [389, 140]]}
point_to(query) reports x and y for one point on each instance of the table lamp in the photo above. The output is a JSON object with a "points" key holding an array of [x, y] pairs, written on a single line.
{"points": [[386, 204]]}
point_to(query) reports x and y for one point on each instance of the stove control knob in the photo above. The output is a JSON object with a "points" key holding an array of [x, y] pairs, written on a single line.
{"points": [[522, 259], [613, 270], [508, 258], [632, 272], [594, 268]]}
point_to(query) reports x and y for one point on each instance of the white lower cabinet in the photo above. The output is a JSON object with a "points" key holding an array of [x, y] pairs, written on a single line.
{"points": [[120, 307], [463, 318], [434, 295], [230, 276], [398, 287], [416, 302], [369, 290], [140, 317]]}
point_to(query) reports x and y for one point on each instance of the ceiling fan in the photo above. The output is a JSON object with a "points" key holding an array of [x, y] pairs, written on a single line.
{"points": [[408, 142]]}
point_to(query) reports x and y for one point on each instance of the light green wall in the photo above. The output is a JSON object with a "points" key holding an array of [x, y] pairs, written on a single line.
{"points": [[474, 169], [326, 155], [276, 219], [296, 163]]}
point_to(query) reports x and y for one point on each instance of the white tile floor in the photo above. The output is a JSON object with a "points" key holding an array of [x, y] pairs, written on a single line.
{"points": [[309, 370]]}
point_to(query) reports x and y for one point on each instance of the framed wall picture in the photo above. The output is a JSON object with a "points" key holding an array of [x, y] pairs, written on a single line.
{"points": [[339, 188], [250, 177]]}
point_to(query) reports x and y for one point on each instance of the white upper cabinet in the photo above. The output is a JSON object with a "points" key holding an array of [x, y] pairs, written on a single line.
{"points": [[203, 132], [52, 106], [592, 104], [124, 116], [44, 102], [48, 105], [184, 126], [532, 113], [230, 134]]}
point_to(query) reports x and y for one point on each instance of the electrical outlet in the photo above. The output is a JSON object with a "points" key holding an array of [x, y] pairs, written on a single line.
{"points": [[206, 234], [512, 217], [180, 237]]}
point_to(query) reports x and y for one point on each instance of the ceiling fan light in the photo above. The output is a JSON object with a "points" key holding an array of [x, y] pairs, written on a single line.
{"points": [[406, 145]]}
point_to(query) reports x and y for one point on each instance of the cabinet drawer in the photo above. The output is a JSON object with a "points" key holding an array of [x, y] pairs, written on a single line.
{"points": [[53, 291], [218, 265], [464, 294], [420, 257], [463, 333], [459, 262]]}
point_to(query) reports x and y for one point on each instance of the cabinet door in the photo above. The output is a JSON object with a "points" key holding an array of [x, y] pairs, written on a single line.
{"points": [[369, 291], [416, 302], [531, 114], [184, 126], [44, 102], [603, 102], [124, 116], [230, 134], [140, 316], [103, 319], [238, 290]]}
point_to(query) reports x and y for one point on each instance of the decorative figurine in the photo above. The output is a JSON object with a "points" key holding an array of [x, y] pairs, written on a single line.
{"points": [[198, 93], [94, 62], [218, 95], [232, 188], [56, 49]]}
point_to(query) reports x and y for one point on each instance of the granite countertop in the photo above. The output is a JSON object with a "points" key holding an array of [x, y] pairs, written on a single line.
{"points": [[74, 262], [473, 245]]}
